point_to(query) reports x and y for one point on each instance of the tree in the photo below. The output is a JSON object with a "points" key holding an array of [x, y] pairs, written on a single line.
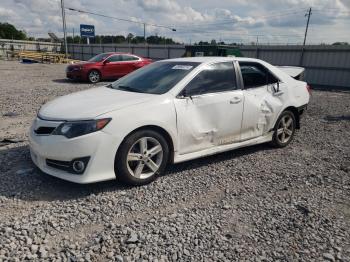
{"points": [[340, 43], [130, 37], [9, 31]]}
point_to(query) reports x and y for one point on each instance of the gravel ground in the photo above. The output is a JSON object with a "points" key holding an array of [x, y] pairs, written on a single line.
{"points": [[252, 204]]}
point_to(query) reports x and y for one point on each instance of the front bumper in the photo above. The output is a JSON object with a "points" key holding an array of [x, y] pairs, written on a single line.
{"points": [[99, 146], [76, 75]]}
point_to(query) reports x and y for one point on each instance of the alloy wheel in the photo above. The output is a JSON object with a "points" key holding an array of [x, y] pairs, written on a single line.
{"points": [[94, 76], [285, 129], [144, 157]]}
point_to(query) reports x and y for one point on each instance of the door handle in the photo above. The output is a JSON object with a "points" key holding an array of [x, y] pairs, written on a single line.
{"points": [[235, 100]]}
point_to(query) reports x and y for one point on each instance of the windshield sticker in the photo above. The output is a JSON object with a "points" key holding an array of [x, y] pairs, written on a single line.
{"points": [[182, 67]]}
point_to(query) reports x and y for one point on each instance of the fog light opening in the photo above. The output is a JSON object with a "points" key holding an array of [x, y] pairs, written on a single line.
{"points": [[78, 166]]}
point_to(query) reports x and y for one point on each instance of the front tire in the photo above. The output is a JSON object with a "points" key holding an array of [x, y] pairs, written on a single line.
{"points": [[94, 76], [142, 156], [284, 129]]}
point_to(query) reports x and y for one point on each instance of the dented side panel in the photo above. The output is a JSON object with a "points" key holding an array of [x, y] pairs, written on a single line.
{"points": [[209, 120], [261, 109]]}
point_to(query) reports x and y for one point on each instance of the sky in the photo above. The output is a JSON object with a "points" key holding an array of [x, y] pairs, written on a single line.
{"points": [[268, 21]]}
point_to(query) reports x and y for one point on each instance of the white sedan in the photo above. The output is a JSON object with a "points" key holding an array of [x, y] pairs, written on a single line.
{"points": [[167, 112]]}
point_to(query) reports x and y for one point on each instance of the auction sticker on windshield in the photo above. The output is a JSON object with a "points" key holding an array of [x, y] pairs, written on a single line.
{"points": [[182, 67]]}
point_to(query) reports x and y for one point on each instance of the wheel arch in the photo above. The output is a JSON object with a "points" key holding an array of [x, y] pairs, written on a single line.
{"points": [[295, 112], [159, 130], [94, 69]]}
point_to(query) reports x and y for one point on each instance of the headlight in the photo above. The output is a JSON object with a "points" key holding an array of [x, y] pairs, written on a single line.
{"points": [[80, 128]]}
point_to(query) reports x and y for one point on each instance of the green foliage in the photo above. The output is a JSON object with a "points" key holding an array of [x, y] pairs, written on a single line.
{"points": [[8, 31], [340, 43], [120, 39]]}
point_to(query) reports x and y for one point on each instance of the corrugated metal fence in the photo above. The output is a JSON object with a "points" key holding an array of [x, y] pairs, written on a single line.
{"points": [[325, 65], [156, 52]]}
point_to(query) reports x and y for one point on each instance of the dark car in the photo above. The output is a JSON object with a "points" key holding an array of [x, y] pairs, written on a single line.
{"points": [[106, 66]]}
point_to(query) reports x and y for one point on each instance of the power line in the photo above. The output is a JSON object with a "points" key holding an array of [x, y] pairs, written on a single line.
{"points": [[333, 12], [119, 19]]}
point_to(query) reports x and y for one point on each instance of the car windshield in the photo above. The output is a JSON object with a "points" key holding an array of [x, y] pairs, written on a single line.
{"points": [[99, 58], [156, 78]]}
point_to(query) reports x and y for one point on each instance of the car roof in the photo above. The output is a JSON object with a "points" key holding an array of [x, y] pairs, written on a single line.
{"points": [[118, 53], [211, 59]]}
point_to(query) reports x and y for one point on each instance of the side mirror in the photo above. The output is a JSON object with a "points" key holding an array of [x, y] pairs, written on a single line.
{"points": [[106, 61], [184, 93], [276, 87]]}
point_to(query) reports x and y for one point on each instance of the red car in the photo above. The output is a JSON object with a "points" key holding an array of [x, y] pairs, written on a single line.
{"points": [[106, 66]]}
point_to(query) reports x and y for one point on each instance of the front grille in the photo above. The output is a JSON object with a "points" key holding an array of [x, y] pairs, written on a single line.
{"points": [[44, 130]]}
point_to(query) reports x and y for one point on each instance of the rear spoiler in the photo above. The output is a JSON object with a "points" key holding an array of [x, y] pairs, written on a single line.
{"points": [[294, 71]]}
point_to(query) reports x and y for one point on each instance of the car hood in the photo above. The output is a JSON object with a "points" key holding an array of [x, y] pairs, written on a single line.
{"points": [[90, 103]]}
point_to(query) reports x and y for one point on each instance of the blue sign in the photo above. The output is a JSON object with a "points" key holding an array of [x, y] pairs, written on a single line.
{"points": [[87, 31]]}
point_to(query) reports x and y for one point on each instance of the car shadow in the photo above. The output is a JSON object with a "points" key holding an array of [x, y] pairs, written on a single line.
{"points": [[217, 158], [21, 179]]}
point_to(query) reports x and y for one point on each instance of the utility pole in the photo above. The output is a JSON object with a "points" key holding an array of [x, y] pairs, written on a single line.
{"points": [[257, 48], [64, 27], [144, 33], [307, 24], [308, 14]]}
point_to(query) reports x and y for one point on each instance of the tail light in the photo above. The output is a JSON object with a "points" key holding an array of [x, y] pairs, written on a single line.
{"points": [[308, 87]]}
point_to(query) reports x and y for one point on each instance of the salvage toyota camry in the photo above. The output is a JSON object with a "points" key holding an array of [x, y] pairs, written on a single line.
{"points": [[170, 111]]}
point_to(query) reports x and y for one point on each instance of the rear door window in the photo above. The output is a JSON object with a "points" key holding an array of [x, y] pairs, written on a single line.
{"points": [[129, 58], [256, 75]]}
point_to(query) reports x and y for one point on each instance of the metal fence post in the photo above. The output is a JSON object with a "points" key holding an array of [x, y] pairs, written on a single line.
{"points": [[301, 56]]}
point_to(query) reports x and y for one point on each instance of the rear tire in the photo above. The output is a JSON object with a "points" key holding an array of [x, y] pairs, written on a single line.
{"points": [[141, 158], [94, 76], [284, 129]]}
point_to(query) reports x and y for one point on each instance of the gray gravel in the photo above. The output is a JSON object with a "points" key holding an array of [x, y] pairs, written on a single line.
{"points": [[252, 204]]}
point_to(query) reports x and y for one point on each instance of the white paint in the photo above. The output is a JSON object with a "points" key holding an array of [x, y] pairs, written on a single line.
{"points": [[204, 125], [293, 71]]}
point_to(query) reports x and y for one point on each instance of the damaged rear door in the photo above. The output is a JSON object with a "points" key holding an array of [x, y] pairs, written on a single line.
{"points": [[209, 109], [261, 101]]}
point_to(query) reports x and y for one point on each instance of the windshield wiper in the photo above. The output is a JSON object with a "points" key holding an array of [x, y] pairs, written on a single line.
{"points": [[128, 88]]}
